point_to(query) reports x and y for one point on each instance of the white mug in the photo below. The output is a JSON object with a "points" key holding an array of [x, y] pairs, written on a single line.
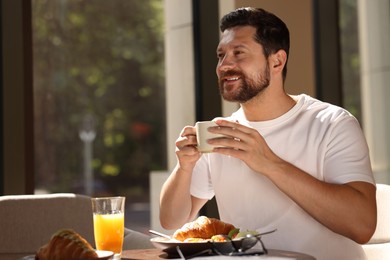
{"points": [[202, 135]]}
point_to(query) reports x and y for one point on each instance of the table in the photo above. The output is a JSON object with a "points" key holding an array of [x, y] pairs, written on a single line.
{"points": [[153, 254]]}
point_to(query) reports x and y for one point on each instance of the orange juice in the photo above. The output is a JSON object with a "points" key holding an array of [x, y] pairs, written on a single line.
{"points": [[109, 229]]}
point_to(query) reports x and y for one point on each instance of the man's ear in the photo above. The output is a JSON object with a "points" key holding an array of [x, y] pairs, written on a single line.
{"points": [[278, 60]]}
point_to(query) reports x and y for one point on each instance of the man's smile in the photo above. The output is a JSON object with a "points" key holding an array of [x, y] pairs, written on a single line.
{"points": [[232, 78]]}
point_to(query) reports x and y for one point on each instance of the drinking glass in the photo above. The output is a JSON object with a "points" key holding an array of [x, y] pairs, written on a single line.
{"points": [[109, 223]]}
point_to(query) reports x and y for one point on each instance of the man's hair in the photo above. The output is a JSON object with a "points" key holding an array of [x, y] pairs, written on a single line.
{"points": [[271, 32]]}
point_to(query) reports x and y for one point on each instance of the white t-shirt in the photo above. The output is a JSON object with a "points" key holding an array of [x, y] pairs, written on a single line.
{"points": [[323, 140]]}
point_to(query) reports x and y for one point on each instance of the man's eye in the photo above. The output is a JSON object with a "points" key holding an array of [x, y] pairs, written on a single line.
{"points": [[220, 55]]}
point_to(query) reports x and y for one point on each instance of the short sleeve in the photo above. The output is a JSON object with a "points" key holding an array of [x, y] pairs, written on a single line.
{"points": [[201, 186], [347, 157]]}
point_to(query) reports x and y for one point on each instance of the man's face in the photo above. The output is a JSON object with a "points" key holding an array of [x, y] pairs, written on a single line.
{"points": [[242, 69]]}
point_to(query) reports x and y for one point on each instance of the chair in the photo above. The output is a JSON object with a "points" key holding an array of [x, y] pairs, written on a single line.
{"points": [[379, 245], [28, 221]]}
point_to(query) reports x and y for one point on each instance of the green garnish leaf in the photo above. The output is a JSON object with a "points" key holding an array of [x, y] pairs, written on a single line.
{"points": [[232, 233]]}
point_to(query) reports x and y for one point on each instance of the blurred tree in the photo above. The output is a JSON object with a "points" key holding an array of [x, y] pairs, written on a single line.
{"points": [[103, 58]]}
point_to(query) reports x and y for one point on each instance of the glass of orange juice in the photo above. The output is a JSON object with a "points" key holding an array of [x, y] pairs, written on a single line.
{"points": [[109, 223]]}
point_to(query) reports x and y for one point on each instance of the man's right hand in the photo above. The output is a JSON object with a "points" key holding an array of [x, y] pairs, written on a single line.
{"points": [[186, 151]]}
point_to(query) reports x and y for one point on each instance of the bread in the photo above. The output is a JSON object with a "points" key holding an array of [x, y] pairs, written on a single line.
{"points": [[66, 244], [203, 227]]}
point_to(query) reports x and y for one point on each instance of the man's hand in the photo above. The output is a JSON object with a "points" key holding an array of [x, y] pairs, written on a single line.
{"points": [[244, 143], [186, 152]]}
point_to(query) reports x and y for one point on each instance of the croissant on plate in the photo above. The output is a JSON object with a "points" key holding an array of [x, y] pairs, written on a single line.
{"points": [[66, 244], [203, 227]]}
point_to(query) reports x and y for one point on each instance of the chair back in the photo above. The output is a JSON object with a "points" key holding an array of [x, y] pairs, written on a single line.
{"points": [[28, 221], [379, 245]]}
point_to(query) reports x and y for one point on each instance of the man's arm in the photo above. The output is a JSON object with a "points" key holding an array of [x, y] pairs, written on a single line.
{"points": [[177, 206], [348, 209]]}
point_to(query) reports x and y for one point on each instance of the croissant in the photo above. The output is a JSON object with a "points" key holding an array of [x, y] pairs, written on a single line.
{"points": [[66, 244], [203, 227]]}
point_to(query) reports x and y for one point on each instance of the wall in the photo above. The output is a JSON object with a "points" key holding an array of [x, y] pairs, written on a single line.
{"points": [[374, 45], [179, 68]]}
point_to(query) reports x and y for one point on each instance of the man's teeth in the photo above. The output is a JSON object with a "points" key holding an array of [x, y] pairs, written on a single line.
{"points": [[231, 79]]}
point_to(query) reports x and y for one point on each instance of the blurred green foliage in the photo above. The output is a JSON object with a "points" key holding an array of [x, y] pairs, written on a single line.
{"points": [[105, 59]]}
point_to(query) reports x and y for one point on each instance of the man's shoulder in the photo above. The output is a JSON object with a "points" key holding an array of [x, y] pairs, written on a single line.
{"points": [[322, 110]]}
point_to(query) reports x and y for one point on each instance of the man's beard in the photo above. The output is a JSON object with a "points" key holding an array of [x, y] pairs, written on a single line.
{"points": [[248, 89]]}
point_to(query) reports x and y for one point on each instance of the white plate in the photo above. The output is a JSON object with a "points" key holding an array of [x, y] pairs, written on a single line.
{"points": [[188, 248], [102, 255]]}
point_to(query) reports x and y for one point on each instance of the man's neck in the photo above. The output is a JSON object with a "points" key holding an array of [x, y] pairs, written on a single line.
{"points": [[267, 105]]}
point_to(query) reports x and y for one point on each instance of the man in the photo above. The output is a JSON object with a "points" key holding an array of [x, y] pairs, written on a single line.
{"points": [[292, 163]]}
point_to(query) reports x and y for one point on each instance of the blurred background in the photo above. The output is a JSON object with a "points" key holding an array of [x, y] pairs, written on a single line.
{"points": [[95, 93]]}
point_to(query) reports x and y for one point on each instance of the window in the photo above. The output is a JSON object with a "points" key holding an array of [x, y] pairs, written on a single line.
{"points": [[366, 75], [350, 67], [99, 99]]}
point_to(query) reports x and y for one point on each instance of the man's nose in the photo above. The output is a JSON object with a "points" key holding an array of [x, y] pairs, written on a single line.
{"points": [[226, 63]]}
